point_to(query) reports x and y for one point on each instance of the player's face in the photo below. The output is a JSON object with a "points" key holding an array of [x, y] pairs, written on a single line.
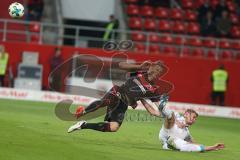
{"points": [[190, 118], [154, 72]]}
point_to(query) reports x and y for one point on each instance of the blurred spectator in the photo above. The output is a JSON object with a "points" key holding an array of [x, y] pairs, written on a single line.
{"points": [[219, 80], [35, 9], [3, 64], [157, 3], [238, 8], [144, 2], [222, 6], [154, 3], [112, 25], [10, 77], [208, 26], [224, 25], [55, 61], [202, 11], [237, 2]]}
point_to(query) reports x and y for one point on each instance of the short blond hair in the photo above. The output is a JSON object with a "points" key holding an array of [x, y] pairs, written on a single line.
{"points": [[192, 111]]}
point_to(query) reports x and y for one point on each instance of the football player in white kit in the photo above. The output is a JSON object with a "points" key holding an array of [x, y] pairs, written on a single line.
{"points": [[174, 133]]}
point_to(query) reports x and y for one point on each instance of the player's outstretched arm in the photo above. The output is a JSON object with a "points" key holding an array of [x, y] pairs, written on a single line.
{"points": [[218, 146], [191, 147], [134, 67], [150, 109]]}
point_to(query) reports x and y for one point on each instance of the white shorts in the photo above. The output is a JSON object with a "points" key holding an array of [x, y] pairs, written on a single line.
{"points": [[184, 146], [163, 137]]}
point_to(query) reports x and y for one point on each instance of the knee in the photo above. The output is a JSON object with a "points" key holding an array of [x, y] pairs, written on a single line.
{"points": [[114, 126]]}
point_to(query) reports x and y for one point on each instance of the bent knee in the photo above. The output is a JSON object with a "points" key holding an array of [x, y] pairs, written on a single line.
{"points": [[114, 126]]}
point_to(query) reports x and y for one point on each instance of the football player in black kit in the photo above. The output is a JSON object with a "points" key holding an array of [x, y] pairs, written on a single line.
{"points": [[145, 83]]}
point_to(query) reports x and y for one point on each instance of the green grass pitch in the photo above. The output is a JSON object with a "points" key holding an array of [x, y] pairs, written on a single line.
{"points": [[31, 131]]}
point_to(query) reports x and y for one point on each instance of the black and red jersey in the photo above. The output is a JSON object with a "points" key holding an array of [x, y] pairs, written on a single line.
{"points": [[138, 87]]}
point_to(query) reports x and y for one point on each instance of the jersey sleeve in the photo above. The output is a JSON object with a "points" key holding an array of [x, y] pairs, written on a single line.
{"points": [[156, 96], [154, 99], [188, 137]]}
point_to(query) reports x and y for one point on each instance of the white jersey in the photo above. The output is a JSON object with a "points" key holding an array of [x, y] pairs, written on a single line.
{"points": [[175, 131], [178, 137]]}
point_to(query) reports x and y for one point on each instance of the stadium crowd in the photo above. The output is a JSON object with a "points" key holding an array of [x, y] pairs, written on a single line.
{"points": [[214, 21]]}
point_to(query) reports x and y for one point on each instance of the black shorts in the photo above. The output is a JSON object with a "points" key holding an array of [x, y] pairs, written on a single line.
{"points": [[116, 113], [116, 107], [218, 94]]}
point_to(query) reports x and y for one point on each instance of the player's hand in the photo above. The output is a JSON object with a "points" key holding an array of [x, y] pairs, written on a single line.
{"points": [[145, 65], [163, 101], [219, 146]]}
